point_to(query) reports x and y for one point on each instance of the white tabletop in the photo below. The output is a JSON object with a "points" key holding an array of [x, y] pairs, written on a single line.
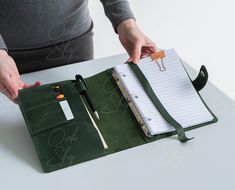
{"points": [[207, 162]]}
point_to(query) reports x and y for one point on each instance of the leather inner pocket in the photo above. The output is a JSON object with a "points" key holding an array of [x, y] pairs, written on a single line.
{"points": [[45, 116]]}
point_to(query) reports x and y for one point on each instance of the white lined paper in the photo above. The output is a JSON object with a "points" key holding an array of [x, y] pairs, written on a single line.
{"points": [[172, 87]]}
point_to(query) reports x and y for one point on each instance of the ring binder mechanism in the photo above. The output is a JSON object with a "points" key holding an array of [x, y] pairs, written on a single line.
{"points": [[129, 99], [147, 118], [122, 74]]}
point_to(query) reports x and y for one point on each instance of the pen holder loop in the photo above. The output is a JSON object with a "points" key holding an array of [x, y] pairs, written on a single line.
{"points": [[201, 79]]}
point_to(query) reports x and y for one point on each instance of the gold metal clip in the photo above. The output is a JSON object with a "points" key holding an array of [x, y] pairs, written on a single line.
{"points": [[156, 56]]}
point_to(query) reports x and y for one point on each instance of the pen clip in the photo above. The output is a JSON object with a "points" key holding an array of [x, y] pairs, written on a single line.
{"points": [[81, 83], [79, 77]]}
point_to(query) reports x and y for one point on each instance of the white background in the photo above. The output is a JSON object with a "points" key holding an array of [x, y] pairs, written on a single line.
{"points": [[202, 32]]}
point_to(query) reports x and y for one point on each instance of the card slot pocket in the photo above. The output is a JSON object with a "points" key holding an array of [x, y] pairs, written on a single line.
{"points": [[44, 116], [75, 101], [31, 97]]}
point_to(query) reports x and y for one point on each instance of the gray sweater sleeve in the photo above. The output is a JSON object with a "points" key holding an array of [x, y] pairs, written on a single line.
{"points": [[2, 43], [117, 11]]}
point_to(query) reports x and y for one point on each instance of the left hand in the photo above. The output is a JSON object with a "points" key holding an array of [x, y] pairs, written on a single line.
{"points": [[134, 41], [10, 80]]}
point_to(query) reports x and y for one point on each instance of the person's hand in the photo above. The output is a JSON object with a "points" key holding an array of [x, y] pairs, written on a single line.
{"points": [[10, 81], [134, 41]]}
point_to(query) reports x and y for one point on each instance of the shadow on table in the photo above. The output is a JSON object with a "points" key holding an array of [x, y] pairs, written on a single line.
{"points": [[16, 140]]}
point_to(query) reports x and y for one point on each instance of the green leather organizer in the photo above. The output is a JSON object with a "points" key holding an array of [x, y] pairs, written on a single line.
{"points": [[61, 143]]}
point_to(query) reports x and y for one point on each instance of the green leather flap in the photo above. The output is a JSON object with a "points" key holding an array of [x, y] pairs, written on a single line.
{"points": [[40, 108], [58, 141]]}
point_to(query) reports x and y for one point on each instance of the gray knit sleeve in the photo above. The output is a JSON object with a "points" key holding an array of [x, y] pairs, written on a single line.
{"points": [[117, 11], [2, 43]]}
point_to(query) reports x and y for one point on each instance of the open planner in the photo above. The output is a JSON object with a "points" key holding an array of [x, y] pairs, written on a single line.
{"points": [[172, 86], [137, 104]]}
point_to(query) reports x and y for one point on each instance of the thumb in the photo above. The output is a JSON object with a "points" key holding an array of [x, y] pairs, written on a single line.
{"points": [[11, 88], [136, 53]]}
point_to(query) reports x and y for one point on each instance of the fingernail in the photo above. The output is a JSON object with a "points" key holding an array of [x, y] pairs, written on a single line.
{"points": [[38, 83]]}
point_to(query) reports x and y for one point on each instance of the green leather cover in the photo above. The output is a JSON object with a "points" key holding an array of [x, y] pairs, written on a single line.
{"points": [[61, 143]]}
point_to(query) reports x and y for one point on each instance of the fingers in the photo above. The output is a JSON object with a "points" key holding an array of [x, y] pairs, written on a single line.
{"points": [[5, 91], [144, 55], [10, 89], [136, 52], [129, 60], [7, 94], [145, 52], [134, 41], [10, 86], [10, 81], [38, 83], [141, 51], [148, 49]]}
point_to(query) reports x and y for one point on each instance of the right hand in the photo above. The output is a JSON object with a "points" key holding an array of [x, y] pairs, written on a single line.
{"points": [[10, 81]]}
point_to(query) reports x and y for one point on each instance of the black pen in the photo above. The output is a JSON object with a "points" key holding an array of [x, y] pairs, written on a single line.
{"points": [[84, 92]]}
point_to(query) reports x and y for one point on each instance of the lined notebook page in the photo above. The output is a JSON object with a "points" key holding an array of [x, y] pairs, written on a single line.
{"points": [[172, 87]]}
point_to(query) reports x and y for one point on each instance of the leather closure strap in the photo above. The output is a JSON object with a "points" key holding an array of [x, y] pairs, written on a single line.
{"points": [[201, 79]]}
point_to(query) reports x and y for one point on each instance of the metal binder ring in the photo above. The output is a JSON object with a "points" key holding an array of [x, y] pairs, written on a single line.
{"points": [[133, 96], [122, 74], [147, 118]]}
